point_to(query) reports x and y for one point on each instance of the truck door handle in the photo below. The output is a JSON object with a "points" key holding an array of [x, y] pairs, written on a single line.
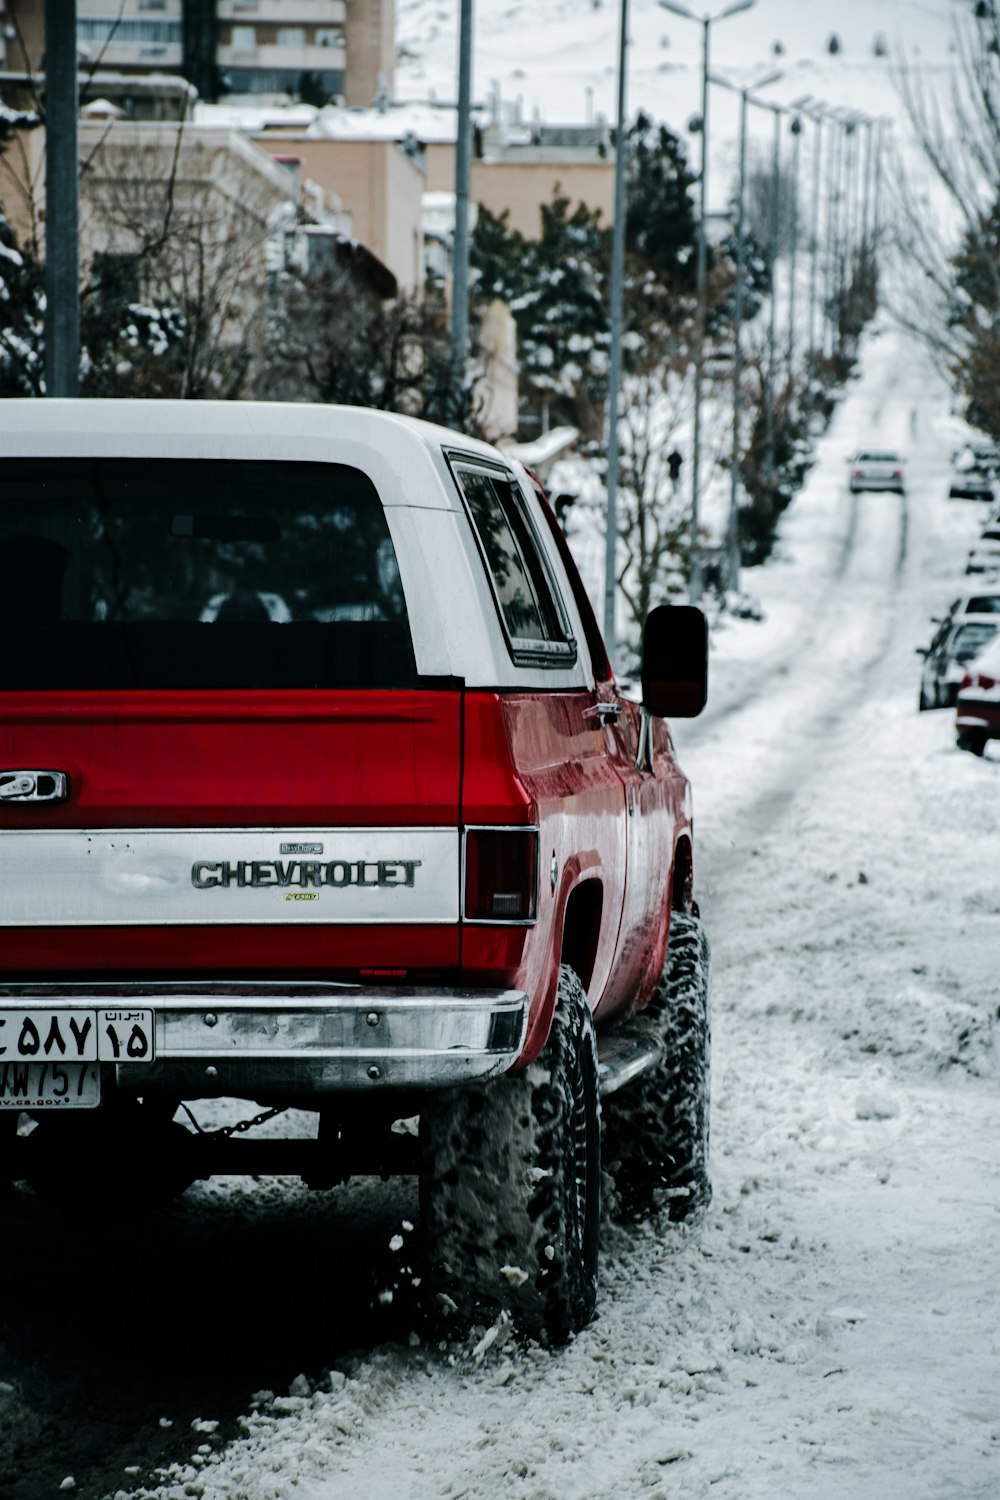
{"points": [[33, 786], [606, 713]]}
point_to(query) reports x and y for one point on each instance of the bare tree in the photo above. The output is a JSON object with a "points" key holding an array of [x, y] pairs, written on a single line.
{"points": [[180, 221], [340, 337], [947, 275]]}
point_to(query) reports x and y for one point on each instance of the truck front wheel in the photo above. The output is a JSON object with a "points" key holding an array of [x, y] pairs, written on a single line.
{"points": [[656, 1128], [510, 1185]]}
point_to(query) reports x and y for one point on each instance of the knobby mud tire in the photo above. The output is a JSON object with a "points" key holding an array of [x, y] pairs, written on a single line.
{"points": [[971, 740], [108, 1166], [656, 1130], [510, 1187]]}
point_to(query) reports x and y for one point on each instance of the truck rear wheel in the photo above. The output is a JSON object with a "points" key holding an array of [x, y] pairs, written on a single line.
{"points": [[109, 1165], [972, 740], [656, 1129], [510, 1185]]}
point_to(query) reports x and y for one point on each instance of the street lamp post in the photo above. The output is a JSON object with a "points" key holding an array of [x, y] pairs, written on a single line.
{"points": [[735, 465], [818, 119], [772, 328], [796, 129], [62, 201], [460, 248], [705, 21], [614, 372]]}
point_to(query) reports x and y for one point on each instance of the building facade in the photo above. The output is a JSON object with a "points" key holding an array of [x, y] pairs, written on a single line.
{"points": [[313, 49]]}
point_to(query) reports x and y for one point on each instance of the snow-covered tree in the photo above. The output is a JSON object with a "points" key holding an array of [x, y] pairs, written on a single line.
{"points": [[22, 299]]}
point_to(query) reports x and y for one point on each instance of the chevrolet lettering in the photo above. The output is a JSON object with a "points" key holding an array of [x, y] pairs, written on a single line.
{"points": [[381, 873], [319, 794]]}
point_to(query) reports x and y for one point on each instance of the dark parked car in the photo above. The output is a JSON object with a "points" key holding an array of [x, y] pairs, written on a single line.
{"points": [[955, 642], [978, 718], [973, 472]]}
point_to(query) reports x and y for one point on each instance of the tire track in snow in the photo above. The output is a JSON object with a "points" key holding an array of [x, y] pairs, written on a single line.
{"points": [[816, 689]]}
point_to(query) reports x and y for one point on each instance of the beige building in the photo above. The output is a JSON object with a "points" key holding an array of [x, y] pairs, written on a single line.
{"points": [[380, 184], [517, 168]]}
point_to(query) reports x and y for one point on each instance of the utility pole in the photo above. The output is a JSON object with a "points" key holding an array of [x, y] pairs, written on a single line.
{"points": [[705, 22], [615, 372], [796, 129], [463, 176], [62, 202], [735, 461], [831, 276], [772, 327], [817, 121]]}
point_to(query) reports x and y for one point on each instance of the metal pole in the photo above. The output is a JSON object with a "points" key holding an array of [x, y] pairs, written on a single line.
{"points": [[814, 231], [62, 202], [877, 208], [694, 588], [866, 195], [772, 329], [463, 175], [832, 242], [793, 257], [736, 466], [614, 374]]}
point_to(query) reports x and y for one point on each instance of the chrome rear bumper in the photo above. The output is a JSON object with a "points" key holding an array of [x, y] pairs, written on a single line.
{"points": [[307, 1037]]}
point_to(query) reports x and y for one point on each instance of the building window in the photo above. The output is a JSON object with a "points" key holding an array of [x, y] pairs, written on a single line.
{"points": [[138, 33], [243, 38], [329, 36], [291, 36]]}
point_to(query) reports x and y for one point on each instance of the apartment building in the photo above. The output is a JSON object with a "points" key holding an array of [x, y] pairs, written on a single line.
{"points": [[317, 49]]}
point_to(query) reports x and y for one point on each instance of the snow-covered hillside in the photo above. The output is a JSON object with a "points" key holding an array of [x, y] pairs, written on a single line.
{"points": [[558, 57]]}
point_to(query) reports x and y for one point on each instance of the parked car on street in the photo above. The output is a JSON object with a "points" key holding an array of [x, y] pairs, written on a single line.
{"points": [[977, 717], [317, 790], [984, 556], [973, 473], [876, 469], [984, 600], [955, 642]]}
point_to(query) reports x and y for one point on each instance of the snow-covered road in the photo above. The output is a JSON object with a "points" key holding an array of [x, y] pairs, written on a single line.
{"points": [[832, 1329]]}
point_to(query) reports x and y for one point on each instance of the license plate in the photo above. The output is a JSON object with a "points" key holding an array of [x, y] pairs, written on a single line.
{"points": [[49, 1085], [62, 1036]]}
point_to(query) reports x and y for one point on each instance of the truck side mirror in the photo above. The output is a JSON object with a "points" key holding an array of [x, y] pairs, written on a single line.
{"points": [[675, 661]]}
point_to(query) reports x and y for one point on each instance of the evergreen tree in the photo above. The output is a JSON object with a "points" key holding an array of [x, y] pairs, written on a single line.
{"points": [[22, 301], [659, 212]]}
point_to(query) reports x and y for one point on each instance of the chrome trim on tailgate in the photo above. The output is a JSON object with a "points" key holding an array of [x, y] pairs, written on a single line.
{"points": [[321, 1037], [206, 876]]}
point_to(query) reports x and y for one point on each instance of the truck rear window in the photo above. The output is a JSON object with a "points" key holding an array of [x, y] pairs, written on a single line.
{"points": [[197, 573]]}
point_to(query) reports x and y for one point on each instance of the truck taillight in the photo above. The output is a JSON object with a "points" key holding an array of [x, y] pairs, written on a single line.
{"points": [[501, 875]]}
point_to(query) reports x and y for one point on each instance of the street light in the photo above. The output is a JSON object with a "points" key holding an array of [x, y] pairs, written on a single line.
{"points": [[735, 466], [817, 114], [705, 21], [777, 110], [796, 129], [460, 247], [616, 320]]}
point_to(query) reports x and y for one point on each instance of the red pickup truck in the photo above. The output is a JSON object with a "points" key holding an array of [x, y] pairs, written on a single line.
{"points": [[317, 790]]}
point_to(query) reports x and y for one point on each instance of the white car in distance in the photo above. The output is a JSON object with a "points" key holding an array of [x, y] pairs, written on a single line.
{"points": [[876, 469]]}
